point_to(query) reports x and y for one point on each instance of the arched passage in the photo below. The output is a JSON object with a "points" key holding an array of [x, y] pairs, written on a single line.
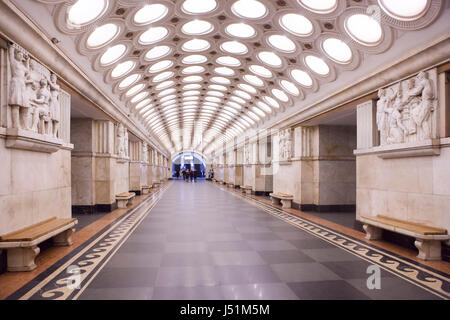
{"points": [[188, 160]]}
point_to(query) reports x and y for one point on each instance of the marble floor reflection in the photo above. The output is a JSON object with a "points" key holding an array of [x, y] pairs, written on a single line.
{"points": [[201, 242]]}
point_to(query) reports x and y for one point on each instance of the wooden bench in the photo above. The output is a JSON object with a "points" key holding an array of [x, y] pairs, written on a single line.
{"points": [[428, 239], [285, 199], [21, 245], [156, 184], [246, 189], [230, 185], [145, 189], [124, 198]]}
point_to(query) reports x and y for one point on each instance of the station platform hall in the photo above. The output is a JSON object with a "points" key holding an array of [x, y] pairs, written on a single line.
{"points": [[224, 151]]}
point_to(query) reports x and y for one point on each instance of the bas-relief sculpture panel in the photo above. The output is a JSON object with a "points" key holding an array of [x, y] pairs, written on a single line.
{"points": [[33, 95], [405, 110], [285, 144], [122, 141]]}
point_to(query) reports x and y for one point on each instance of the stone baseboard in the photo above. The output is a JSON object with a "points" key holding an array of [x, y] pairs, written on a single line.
{"points": [[138, 192], [94, 208], [325, 208], [261, 193], [2, 261]]}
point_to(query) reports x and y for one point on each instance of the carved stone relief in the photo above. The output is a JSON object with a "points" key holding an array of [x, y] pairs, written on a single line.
{"points": [[33, 95], [405, 110], [247, 153], [285, 144], [122, 141], [145, 152]]}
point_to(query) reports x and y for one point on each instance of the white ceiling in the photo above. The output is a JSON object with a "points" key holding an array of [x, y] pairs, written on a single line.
{"points": [[334, 46]]}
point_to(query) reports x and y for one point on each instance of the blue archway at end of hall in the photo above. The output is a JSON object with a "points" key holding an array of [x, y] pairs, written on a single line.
{"points": [[188, 160]]}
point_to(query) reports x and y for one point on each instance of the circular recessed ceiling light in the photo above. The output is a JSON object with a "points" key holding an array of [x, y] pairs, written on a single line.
{"points": [[191, 93], [280, 95], [240, 30], [102, 35], [153, 35], [160, 66], [234, 47], [242, 94], [254, 80], [264, 106], [157, 52], [150, 13], [213, 99], [163, 76], [193, 69], [220, 80], [317, 65], [142, 103], [250, 9], [302, 77], [228, 61], [258, 112], [128, 81], [290, 87], [260, 71], [199, 6], [139, 97], [113, 54], [197, 27], [192, 86], [217, 87], [135, 89], [281, 43], [404, 10], [270, 59], [165, 85], [319, 6], [192, 79], [296, 24], [364, 29], [247, 87], [238, 99], [215, 94], [271, 101], [224, 71], [194, 59], [86, 11], [166, 92], [337, 49], [122, 68], [196, 45]]}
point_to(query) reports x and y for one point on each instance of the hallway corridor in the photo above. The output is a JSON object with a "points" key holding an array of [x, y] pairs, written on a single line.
{"points": [[201, 242]]}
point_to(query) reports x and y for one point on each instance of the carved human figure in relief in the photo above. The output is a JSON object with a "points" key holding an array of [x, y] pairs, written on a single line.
{"points": [[121, 141], [145, 152], [397, 130], [18, 100], [421, 112], [247, 154], [383, 104], [285, 144], [55, 112], [41, 113], [126, 143]]}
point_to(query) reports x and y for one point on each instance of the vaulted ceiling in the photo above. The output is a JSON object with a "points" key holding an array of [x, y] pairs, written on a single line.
{"points": [[199, 72]]}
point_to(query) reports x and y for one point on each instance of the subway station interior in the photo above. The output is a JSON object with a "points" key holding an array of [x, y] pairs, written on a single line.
{"points": [[224, 150]]}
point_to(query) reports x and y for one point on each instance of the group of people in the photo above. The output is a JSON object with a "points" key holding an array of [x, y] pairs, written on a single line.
{"points": [[188, 175]]}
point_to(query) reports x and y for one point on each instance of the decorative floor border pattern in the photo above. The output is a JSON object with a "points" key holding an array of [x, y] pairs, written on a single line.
{"points": [[69, 277], [429, 279]]}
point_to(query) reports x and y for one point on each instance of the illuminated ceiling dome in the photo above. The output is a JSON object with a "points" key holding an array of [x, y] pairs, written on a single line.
{"points": [[199, 72]]}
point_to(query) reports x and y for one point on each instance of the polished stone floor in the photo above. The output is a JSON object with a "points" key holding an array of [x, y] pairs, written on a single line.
{"points": [[201, 242]]}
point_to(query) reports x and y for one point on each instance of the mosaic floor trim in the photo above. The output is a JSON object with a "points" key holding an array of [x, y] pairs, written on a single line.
{"points": [[69, 277], [429, 279]]}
